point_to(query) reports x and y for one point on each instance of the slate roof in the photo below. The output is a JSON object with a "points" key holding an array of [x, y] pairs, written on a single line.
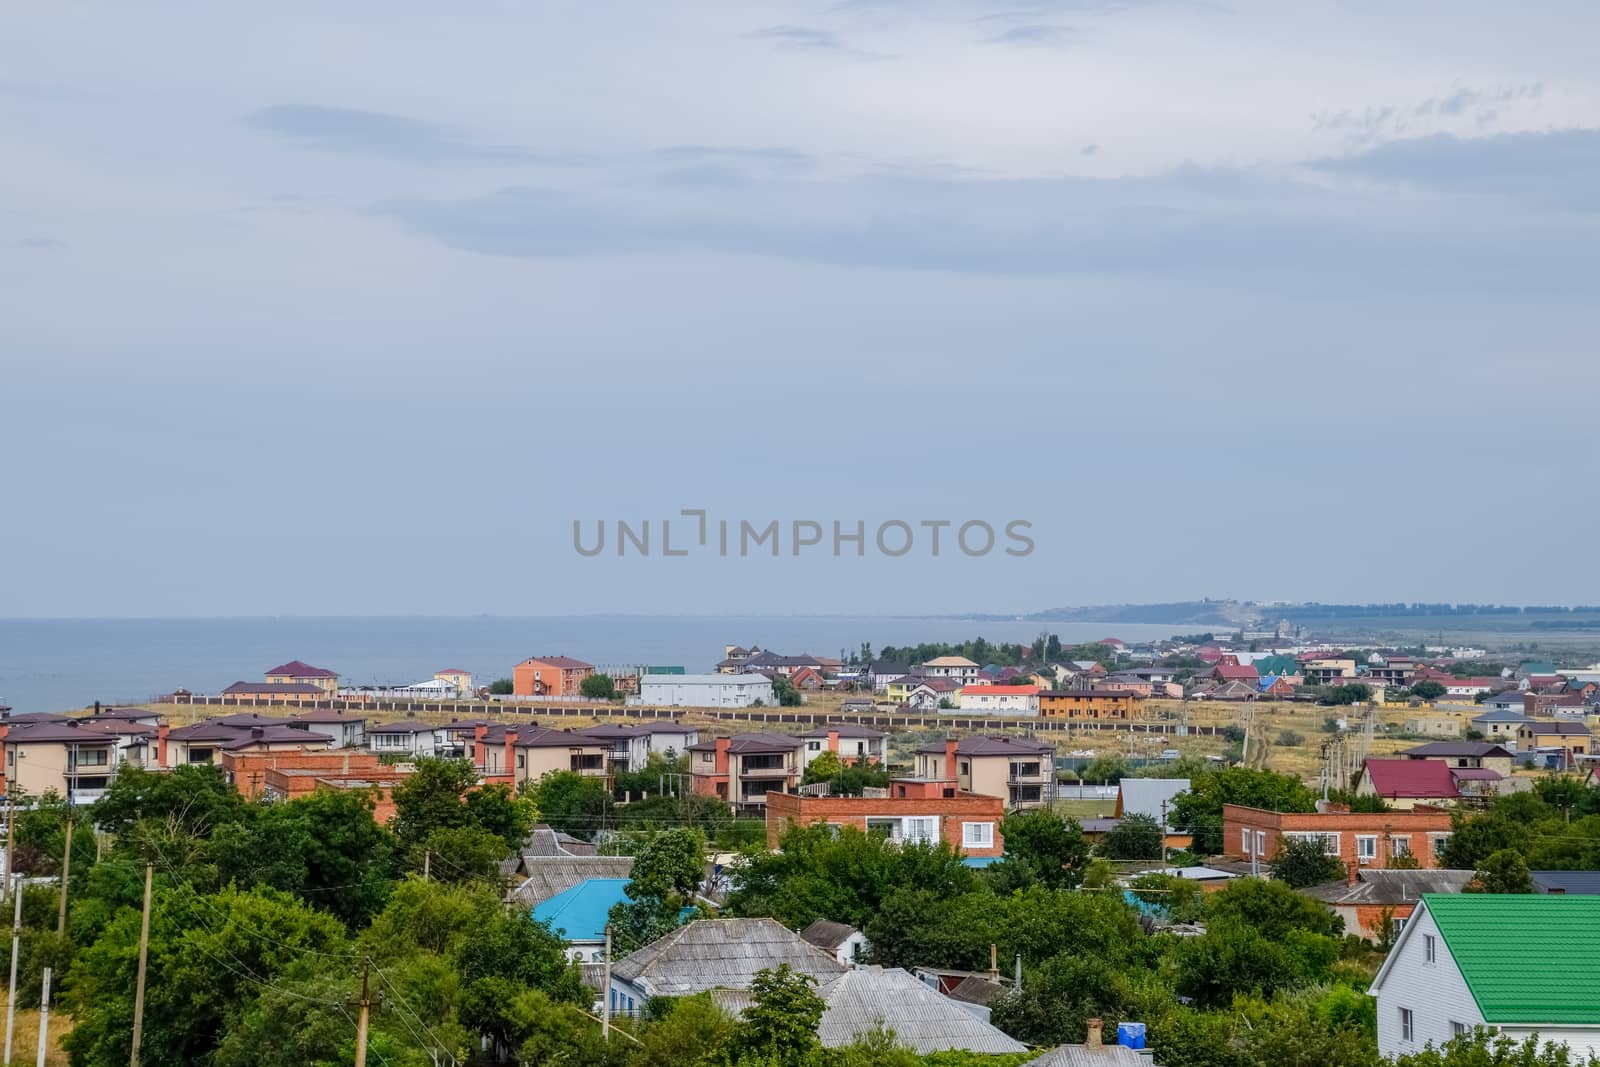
{"points": [[1577, 883], [721, 954], [549, 876], [1411, 778], [566, 663], [1447, 749], [976, 989], [1386, 887], [1082, 1056], [580, 913], [825, 933], [1528, 959], [920, 1017], [950, 661], [296, 669]]}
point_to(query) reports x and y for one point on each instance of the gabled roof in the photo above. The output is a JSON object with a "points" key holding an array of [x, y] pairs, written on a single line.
{"points": [[1577, 883], [1226, 673], [1528, 959], [950, 661], [566, 663], [1391, 886], [1001, 690], [920, 1017], [721, 954], [981, 745], [753, 743], [581, 913], [65, 732], [1447, 749], [825, 933], [1149, 796], [550, 875], [274, 688], [404, 726], [1082, 1056], [1502, 714], [1411, 778], [544, 737], [1561, 728], [329, 715], [845, 729], [296, 669]]}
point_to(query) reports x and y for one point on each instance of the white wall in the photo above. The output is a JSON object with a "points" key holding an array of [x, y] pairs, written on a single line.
{"points": [[1435, 992], [732, 691]]}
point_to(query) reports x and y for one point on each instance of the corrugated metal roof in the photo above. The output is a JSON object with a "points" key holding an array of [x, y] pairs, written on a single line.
{"points": [[825, 933], [550, 875], [1083, 1056], [921, 1018], [721, 954], [580, 913], [1579, 883], [1527, 959]]}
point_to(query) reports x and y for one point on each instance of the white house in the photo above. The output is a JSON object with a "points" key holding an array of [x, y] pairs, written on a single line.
{"points": [[705, 690], [632, 745], [407, 737], [1522, 964], [850, 742], [958, 669], [1000, 699]]}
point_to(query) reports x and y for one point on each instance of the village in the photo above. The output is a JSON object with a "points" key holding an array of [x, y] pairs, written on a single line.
{"points": [[1426, 810]]}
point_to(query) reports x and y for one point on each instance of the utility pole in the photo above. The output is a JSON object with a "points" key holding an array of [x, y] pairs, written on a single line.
{"points": [[361, 1020], [1163, 833], [144, 955], [605, 1001], [427, 865], [11, 990], [44, 1018], [66, 870], [11, 825]]}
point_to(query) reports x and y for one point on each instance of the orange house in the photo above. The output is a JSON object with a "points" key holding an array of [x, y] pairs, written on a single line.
{"points": [[1115, 704], [549, 676]]}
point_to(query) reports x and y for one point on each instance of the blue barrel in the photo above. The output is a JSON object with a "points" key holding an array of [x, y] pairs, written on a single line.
{"points": [[1130, 1035]]}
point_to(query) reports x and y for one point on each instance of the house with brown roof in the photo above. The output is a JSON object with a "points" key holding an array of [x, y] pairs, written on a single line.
{"points": [[297, 673], [75, 758], [1556, 744], [516, 755], [207, 740], [550, 676], [1018, 770], [742, 769]]}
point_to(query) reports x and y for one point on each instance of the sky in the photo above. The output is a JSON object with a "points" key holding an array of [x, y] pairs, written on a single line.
{"points": [[318, 309]]}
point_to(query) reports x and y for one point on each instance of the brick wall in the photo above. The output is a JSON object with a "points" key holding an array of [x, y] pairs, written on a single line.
{"points": [[249, 768], [788, 809], [1420, 827]]}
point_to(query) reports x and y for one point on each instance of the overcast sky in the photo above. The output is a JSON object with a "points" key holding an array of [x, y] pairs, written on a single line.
{"points": [[350, 309]]}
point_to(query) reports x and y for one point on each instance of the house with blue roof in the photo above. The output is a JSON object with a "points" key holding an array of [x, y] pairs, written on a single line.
{"points": [[579, 916]]}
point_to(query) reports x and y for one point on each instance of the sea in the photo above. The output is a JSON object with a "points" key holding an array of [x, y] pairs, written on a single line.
{"points": [[64, 664]]}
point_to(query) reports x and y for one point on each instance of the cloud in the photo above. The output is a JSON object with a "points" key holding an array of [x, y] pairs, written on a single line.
{"points": [[1480, 107], [1036, 34], [795, 38], [393, 137], [1559, 168], [1191, 222]]}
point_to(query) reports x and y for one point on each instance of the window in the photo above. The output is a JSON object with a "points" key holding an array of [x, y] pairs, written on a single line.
{"points": [[1400, 845], [1407, 1027], [1244, 842], [977, 835], [813, 746], [921, 828], [1261, 842], [1430, 948], [1438, 841], [1366, 848], [1458, 1029], [1329, 842]]}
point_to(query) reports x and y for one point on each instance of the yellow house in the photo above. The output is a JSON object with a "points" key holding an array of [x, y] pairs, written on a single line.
{"points": [[297, 673], [462, 680], [1019, 771]]}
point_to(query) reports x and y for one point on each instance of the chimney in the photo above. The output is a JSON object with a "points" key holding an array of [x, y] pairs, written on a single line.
{"points": [[257, 732], [723, 745], [161, 744], [479, 756], [950, 759], [994, 963], [833, 741], [1092, 1040], [1354, 869], [511, 762]]}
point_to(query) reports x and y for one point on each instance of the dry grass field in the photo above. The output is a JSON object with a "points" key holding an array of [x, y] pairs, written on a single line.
{"points": [[25, 1047]]}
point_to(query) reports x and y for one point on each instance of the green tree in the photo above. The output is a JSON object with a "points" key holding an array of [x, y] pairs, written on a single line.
{"points": [[430, 799], [1180, 899], [1135, 837], [824, 766], [1502, 872], [1109, 768], [209, 957], [1303, 861], [502, 687], [598, 687], [577, 804], [1198, 811], [1427, 690], [666, 872], [194, 798], [464, 854], [1352, 693], [785, 693], [497, 810], [1041, 846], [780, 1025], [683, 1031], [1482, 1048], [324, 847]]}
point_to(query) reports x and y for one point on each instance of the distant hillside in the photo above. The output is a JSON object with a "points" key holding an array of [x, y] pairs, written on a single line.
{"points": [[1235, 614]]}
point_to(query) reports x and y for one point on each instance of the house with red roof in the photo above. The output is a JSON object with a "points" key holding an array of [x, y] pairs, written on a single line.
{"points": [[297, 673], [1405, 783], [808, 679], [1234, 672]]}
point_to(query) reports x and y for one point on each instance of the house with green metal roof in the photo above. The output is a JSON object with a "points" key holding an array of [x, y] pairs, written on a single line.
{"points": [[1522, 965]]}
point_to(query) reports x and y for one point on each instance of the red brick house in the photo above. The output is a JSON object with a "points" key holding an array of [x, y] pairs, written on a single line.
{"points": [[916, 809], [1365, 839]]}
